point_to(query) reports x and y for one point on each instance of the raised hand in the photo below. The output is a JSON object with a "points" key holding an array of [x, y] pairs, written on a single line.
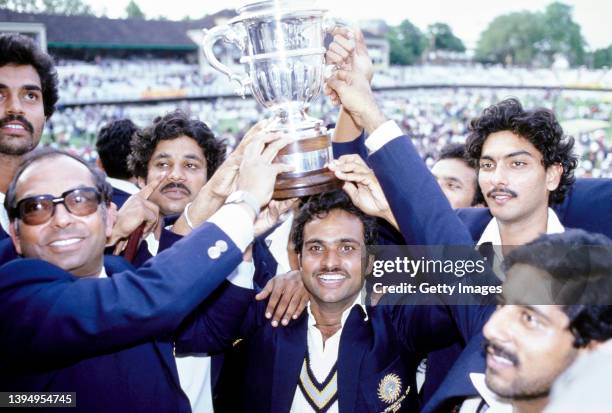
{"points": [[257, 173], [271, 214], [135, 211], [362, 186]]}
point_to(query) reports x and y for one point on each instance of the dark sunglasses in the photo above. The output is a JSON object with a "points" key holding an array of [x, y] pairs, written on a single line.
{"points": [[36, 210]]}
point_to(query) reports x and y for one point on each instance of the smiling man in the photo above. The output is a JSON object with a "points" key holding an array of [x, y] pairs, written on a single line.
{"points": [[555, 308], [28, 93]]}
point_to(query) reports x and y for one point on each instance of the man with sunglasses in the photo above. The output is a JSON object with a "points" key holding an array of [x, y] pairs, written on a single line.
{"points": [[73, 320], [28, 93]]}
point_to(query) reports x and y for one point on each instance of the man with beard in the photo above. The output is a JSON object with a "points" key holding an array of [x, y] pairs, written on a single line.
{"points": [[28, 94], [555, 308]]}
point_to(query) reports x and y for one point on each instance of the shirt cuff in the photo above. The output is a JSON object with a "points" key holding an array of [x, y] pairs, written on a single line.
{"points": [[384, 134], [237, 224], [242, 276]]}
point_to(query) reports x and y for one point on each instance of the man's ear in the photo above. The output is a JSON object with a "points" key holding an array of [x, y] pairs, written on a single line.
{"points": [[14, 234], [370, 264], [553, 176], [99, 164], [141, 182], [111, 218]]}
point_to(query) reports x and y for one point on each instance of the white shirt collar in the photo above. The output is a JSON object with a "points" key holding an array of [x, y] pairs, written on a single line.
{"points": [[345, 313], [491, 233], [277, 243], [103, 273], [496, 405], [125, 186], [4, 219]]}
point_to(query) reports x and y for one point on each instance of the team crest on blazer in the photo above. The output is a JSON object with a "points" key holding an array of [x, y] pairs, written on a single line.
{"points": [[389, 388]]}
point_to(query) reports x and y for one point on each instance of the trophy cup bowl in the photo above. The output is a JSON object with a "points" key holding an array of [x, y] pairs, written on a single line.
{"points": [[284, 56]]}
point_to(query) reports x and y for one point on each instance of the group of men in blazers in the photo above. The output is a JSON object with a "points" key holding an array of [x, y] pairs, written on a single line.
{"points": [[74, 319]]}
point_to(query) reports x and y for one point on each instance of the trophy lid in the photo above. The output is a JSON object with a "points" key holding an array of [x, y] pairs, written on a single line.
{"points": [[278, 8]]}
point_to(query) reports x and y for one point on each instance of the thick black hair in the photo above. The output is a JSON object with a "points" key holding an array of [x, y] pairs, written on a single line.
{"points": [[99, 178], [457, 151], [580, 264], [538, 126], [318, 206], [20, 50], [172, 126], [113, 146]]}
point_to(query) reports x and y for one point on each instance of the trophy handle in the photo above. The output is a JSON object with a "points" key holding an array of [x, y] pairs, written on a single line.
{"points": [[329, 24], [228, 35]]}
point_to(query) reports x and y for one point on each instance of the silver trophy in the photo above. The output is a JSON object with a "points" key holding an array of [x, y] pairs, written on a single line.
{"points": [[282, 47]]}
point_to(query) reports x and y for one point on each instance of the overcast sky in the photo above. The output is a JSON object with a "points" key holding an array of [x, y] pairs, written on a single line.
{"points": [[468, 18]]}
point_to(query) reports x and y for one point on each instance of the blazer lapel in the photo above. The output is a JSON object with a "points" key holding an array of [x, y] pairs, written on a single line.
{"points": [[291, 343], [354, 342]]}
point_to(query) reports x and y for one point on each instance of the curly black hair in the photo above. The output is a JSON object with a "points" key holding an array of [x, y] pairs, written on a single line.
{"points": [[171, 126], [580, 264], [457, 151], [318, 206], [99, 178], [20, 50], [113, 146], [538, 126]]}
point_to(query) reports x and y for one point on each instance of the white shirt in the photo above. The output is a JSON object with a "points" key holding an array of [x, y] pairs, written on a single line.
{"points": [[125, 186], [494, 403], [4, 219], [322, 356], [492, 235]]}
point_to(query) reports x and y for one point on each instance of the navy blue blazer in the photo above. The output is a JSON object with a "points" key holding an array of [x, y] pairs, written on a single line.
{"points": [[119, 197], [587, 205], [391, 341], [110, 340]]}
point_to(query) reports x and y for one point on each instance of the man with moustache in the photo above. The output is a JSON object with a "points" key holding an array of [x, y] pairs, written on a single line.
{"points": [[28, 94], [341, 355], [75, 320], [556, 310]]}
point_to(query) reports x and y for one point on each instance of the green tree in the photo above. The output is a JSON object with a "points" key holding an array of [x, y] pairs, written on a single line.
{"points": [[511, 39], [562, 34], [133, 11], [406, 42], [443, 38], [602, 58]]}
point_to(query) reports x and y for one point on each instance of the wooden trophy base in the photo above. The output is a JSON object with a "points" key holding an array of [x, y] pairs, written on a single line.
{"points": [[310, 183], [311, 177]]}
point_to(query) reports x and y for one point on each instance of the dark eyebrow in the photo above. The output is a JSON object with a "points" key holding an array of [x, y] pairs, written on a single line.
{"points": [[451, 178], [162, 155], [510, 155], [26, 87], [191, 156]]}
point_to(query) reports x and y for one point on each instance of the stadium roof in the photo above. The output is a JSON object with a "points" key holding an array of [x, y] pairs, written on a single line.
{"points": [[71, 32]]}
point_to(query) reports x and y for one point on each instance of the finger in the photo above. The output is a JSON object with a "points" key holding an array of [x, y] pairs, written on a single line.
{"points": [[149, 188], [353, 166], [363, 179], [342, 31], [256, 147], [119, 247], [280, 168], [280, 315], [273, 300], [333, 58], [292, 308], [302, 305], [273, 148], [342, 46], [265, 293], [360, 44], [351, 190]]}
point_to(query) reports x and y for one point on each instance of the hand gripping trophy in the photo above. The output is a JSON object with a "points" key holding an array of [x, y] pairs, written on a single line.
{"points": [[282, 46]]}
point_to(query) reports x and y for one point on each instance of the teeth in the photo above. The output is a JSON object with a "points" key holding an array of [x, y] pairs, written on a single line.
{"points": [[14, 126], [331, 277], [502, 360], [65, 242]]}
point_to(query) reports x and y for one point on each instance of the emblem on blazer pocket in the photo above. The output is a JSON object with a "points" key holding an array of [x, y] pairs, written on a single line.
{"points": [[389, 388]]}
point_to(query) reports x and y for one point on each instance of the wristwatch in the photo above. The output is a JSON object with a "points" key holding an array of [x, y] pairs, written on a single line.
{"points": [[239, 197]]}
